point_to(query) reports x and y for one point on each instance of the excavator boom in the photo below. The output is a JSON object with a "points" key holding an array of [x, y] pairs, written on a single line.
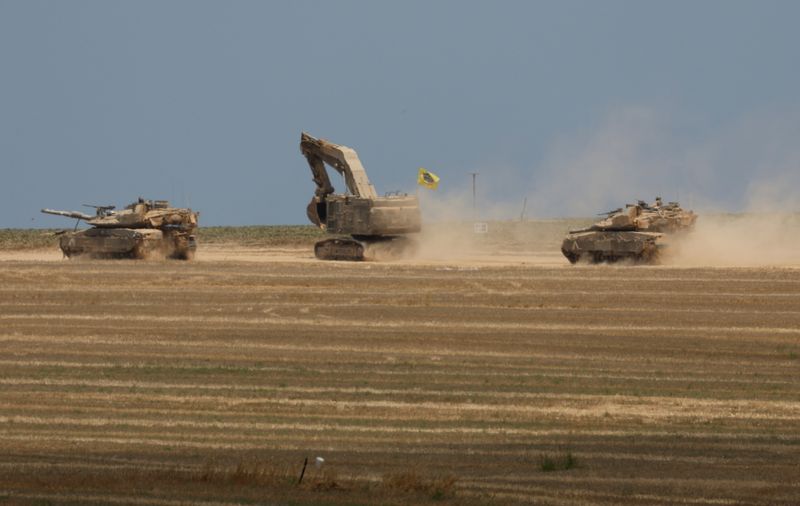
{"points": [[345, 160]]}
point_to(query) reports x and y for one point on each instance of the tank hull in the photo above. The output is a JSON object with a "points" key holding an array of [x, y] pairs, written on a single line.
{"points": [[127, 243], [611, 246]]}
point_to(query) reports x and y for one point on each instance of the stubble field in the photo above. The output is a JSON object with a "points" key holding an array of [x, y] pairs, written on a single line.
{"points": [[490, 380]]}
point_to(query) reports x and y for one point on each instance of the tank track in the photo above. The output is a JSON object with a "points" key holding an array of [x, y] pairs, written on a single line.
{"points": [[648, 255]]}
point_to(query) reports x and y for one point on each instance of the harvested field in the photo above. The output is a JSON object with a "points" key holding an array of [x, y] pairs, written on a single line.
{"points": [[490, 380]]}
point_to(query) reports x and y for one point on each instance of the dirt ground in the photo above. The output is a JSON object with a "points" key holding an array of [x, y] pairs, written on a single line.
{"points": [[502, 378]]}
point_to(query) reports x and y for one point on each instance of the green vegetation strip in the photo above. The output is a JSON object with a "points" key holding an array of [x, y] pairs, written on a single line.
{"points": [[21, 239], [258, 236]]}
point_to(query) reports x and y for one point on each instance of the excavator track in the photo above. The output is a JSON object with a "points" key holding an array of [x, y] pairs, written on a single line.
{"points": [[339, 249], [358, 249]]}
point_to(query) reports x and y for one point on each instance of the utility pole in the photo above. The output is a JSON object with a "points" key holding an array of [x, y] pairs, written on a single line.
{"points": [[474, 175]]}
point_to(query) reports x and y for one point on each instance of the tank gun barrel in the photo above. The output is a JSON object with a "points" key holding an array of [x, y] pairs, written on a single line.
{"points": [[68, 214]]}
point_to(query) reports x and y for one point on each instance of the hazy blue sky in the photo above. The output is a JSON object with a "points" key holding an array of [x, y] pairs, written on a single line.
{"points": [[575, 105]]}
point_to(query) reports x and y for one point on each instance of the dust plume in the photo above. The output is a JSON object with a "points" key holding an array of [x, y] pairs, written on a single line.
{"points": [[446, 226], [449, 233], [741, 176], [766, 234], [632, 154], [742, 165], [739, 240]]}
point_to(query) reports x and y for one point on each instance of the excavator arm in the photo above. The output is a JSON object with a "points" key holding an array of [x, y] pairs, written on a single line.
{"points": [[344, 160]]}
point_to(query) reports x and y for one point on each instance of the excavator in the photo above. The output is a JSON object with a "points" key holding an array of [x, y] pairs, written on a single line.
{"points": [[361, 220]]}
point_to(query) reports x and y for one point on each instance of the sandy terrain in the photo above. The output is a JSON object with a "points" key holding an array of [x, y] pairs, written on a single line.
{"points": [[122, 381]]}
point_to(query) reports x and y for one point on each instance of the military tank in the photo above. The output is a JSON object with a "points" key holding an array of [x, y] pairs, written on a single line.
{"points": [[636, 232], [143, 229]]}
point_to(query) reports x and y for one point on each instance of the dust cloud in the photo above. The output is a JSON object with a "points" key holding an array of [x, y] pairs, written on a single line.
{"points": [[447, 232], [624, 158], [742, 179], [743, 240], [766, 234]]}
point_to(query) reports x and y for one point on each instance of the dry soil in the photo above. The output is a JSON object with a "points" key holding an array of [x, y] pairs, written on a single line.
{"points": [[152, 382]]}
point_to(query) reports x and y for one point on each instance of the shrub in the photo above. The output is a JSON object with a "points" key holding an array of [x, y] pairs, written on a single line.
{"points": [[436, 488], [562, 462]]}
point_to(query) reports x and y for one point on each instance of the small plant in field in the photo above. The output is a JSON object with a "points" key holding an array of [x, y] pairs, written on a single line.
{"points": [[328, 480], [561, 462], [248, 473], [410, 482], [569, 461], [269, 475], [547, 463]]}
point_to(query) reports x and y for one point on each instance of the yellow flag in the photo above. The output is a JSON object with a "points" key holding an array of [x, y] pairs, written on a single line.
{"points": [[427, 179]]}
